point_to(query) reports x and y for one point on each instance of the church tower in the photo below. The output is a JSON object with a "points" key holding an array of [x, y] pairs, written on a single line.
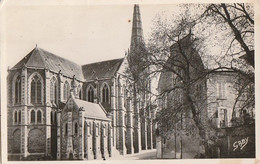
{"points": [[137, 59], [137, 37]]}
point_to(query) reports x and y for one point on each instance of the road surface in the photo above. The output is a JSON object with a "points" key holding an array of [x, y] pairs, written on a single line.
{"points": [[143, 155]]}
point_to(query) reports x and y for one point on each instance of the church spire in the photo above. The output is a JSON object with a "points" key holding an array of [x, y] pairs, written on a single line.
{"points": [[137, 30]]}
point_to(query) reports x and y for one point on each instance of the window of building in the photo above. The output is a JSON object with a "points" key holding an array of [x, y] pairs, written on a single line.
{"points": [[32, 116], [76, 128], [39, 116], [221, 90], [66, 91], [105, 94], [54, 91], [66, 129], [36, 116], [90, 93], [17, 90], [19, 116], [15, 117], [223, 118], [36, 90], [51, 117]]}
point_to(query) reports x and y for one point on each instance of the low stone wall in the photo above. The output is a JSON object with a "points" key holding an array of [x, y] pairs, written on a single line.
{"points": [[236, 142]]}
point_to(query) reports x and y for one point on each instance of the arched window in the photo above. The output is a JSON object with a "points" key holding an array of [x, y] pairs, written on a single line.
{"points": [[39, 116], [105, 94], [19, 116], [17, 90], [32, 116], [54, 91], [36, 90], [15, 117], [66, 90], [90, 93], [76, 128]]}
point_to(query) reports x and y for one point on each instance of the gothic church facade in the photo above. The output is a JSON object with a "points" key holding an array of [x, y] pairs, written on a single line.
{"points": [[58, 109]]}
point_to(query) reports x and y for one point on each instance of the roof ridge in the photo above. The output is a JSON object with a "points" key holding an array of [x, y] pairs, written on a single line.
{"points": [[24, 59], [103, 61], [36, 48]]}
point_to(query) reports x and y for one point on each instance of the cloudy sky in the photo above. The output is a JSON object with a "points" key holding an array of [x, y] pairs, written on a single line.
{"points": [[81, 33]]}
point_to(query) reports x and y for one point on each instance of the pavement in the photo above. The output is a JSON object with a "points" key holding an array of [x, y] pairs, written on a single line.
{"points": [[143, 155]]}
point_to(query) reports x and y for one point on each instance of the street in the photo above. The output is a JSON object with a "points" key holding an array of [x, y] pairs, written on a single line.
{"points": [[145, 154]]}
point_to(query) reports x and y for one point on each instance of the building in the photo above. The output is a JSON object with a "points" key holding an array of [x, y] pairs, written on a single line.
{"points": [[183, 93], [191, 93], [58, 109]]}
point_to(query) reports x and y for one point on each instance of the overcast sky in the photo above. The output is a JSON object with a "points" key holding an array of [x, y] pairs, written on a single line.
{"points": [[82, 33]]}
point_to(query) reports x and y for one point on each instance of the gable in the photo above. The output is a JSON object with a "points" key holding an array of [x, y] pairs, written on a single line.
{"points": [[124, 67], [42, 59]]}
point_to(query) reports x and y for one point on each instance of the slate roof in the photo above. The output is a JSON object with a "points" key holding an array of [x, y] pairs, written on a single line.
{"points": [[40, 58], [101, 70], [92, 110]]}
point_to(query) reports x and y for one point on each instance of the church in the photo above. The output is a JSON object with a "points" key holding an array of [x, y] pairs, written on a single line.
{"points": [[60, 110]]}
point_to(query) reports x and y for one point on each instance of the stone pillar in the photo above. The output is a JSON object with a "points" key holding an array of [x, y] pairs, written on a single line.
{"points": [[137, 132], [47, 88], [113, 109], [61, 95], [74, 87], [48, 131], [69, 148], [81, 133], [96, 140], [89, 141], [59, 135], [121, 121], [24, 114], [85, 139], [104, 140], [96, 91], [129, 127], [109, 138], [24, 87], [47, 113]]}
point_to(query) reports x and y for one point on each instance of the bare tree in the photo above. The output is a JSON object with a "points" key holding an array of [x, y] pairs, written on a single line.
{"points": [[238, 19], [178, 55], [174, 54]]}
